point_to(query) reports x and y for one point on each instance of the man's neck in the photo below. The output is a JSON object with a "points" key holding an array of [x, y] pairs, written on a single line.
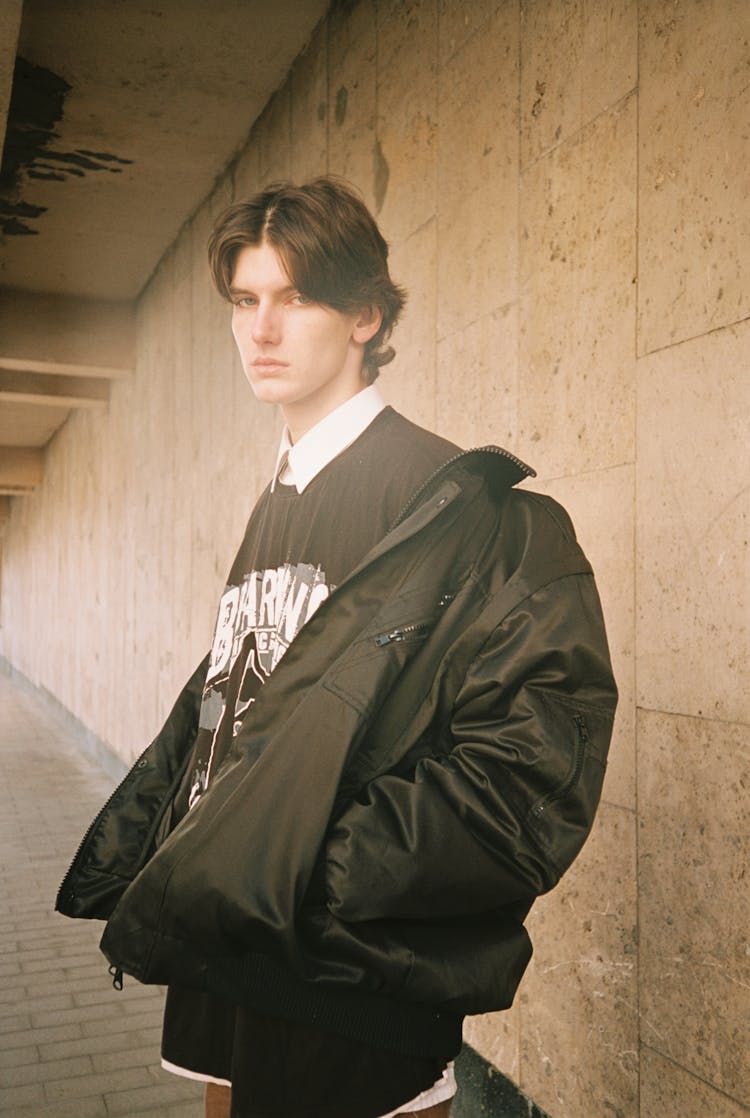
{"points": [[302, 416]]}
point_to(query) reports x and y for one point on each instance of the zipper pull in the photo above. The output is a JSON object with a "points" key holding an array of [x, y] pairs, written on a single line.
{"points": [[389, 638], [116, 973]]}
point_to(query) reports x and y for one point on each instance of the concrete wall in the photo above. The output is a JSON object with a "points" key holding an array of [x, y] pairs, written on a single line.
{"points": [[564, 184]]}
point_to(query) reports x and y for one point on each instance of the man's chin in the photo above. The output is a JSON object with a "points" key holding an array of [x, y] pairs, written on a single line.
{"points": [[269, 390]]}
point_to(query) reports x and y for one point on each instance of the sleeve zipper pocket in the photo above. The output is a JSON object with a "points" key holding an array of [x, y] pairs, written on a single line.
{"points": [[582, 741]]}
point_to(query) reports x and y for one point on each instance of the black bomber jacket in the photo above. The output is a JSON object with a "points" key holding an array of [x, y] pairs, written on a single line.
{"points": [[426, 759]]}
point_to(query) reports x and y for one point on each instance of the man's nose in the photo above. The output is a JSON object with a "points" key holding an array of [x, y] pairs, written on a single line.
{"points": [[266, 323]]}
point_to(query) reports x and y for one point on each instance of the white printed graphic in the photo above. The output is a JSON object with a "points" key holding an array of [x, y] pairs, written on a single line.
{"points": [[256, 623], [274, 604]]}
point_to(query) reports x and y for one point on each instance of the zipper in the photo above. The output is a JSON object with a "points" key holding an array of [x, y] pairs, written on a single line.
{"points": [[582, 741], [401, 634], [139, 764], [68, 894], [419, 493]]}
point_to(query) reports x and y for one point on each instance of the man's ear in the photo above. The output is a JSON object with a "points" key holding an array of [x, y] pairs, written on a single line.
{"points": [[367, 324]]}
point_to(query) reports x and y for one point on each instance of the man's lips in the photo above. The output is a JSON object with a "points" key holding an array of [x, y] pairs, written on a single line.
{"points": [[267, 366]]}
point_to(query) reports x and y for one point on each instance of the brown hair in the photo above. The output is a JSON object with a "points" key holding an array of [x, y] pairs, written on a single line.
{"points": [[329, 244]]}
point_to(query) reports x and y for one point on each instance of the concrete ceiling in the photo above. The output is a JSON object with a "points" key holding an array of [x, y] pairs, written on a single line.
{"points": [[117, 117]]}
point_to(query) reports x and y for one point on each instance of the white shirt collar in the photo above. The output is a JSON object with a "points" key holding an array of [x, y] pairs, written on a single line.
{"points": [[323, 442]]}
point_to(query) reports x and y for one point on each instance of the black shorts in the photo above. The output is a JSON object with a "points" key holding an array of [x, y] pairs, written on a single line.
{"points": [[287, 1069]]}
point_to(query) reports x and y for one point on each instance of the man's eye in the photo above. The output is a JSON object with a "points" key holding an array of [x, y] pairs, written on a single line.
{"points": [[301, 300]]}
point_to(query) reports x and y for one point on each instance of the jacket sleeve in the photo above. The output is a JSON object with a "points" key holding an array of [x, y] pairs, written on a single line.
{"points": [[122, 836], [498, 816]]}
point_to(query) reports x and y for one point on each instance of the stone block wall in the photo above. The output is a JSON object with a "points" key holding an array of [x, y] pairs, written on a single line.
{"points": [[564, 184]]}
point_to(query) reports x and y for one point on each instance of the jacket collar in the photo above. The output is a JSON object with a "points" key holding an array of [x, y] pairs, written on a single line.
{"points": [[501, 469]]}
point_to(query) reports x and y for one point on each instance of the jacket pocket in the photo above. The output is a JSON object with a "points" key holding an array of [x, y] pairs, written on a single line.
{"points": [[367, 673], [417, 631], [561, 817]]}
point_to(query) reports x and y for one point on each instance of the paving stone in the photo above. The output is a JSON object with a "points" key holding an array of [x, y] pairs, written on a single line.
{"points": [[125, 1024], [11, 993], [17, 1057], [46, 1072], [55, 963], [123, 1081], [182, 1110], [26, 1035], [137, 1100], [49, 1003], [95, 997], [13, 1098], [106, 1042], [89, 1014], [94, 1107], [124, 1056]]}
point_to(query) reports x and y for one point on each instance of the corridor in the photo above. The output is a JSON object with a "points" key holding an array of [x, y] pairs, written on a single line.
{"points": [[70, 1045]]}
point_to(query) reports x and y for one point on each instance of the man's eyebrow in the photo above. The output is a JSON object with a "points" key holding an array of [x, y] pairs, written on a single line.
{"points": [[233, 290]]}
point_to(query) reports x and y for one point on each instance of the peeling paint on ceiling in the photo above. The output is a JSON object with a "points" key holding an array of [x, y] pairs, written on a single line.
{"points": [[37, 105]]}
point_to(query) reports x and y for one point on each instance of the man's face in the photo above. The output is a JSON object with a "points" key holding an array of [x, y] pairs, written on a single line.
{"points": [[304, 356]]}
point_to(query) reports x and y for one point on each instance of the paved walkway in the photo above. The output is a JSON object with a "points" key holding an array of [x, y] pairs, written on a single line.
{"points": [[70, 1045]]}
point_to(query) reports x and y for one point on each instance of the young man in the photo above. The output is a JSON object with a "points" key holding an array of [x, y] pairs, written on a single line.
{"points": [[397, 740]]}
